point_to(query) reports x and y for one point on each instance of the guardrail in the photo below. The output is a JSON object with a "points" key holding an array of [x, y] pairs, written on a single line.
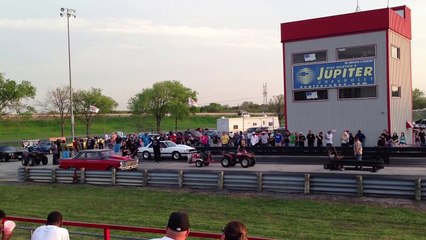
{"points": [[314, 183], [108, 227]]}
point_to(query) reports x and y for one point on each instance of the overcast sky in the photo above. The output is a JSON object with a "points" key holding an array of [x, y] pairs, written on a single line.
{"points": [[223, 49]]}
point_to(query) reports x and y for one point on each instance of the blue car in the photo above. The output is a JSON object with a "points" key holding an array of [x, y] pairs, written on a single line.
{"points": [[43, 147]]}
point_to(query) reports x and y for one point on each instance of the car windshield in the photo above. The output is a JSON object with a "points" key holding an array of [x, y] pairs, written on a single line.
{"points": [[170, 144]]}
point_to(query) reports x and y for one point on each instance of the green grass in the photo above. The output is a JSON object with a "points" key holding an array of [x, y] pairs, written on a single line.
{"points": [[15, 130], [265, 215]]}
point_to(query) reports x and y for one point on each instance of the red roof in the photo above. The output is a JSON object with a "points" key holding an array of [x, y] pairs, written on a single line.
{"points": [[357, 22]]}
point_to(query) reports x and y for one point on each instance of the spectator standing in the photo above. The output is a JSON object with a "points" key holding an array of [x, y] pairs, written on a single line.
{"points": [[156, 146], [264, 139], [320, 137], [301, 140], [351, 139], [286, 137], [329, 138], [254, 139], [292, 139], [52, 230], [6, 226], [234, 230], [311, 138], [361, 137], [278, 139], [205, 140], [402, 139], [177, 227], [422, 136], [358, 150], [55, 153], [344, 140], [224, 139]]}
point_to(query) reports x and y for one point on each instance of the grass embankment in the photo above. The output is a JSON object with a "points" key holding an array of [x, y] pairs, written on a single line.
{"points": [[266, 216], [15, 129]]}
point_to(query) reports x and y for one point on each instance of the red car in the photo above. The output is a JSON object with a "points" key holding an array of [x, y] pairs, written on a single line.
{"points": [[98, 159]]}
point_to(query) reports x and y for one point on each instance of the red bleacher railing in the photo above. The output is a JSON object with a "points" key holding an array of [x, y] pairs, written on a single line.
{"points": [[108, 227]]}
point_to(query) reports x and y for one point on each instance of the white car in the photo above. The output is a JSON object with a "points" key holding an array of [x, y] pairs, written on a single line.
{"points": [[168, 149]]}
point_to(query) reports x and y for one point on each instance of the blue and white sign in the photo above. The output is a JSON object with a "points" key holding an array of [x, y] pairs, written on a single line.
{"points": [[334, 74]]}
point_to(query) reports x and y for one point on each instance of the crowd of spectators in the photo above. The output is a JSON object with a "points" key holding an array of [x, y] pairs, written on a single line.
{"points": [[129, 144]]}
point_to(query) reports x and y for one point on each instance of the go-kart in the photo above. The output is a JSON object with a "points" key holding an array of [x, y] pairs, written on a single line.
{"points": [[201, 159], [244, 158]]}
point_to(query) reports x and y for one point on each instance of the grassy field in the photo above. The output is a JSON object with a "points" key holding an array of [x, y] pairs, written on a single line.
{"points": [[14, 130], [265, 215]]}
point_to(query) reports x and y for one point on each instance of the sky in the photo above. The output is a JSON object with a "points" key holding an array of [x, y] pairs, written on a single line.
{"points": [[226, 50]]}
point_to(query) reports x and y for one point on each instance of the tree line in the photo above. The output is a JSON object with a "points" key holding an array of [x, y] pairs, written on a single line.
{"points": [[165, 98]]}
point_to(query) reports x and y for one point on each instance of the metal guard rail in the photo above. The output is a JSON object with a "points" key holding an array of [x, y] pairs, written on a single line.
{"points": [[411, 187], [108, 227]]}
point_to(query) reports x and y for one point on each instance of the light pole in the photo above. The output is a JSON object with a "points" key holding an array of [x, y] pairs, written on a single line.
{"points": [[67, 12]]}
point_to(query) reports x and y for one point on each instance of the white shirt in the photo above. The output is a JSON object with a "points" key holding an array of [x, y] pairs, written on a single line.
{"points": [[254, 139], [163, 238], [329, 138], [50, 232]]}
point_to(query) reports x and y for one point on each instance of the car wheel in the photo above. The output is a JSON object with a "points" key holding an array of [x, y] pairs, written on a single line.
{"points": [[31, 161], [24, 162], [245, 163], [6, 158], [111, 169], [226, 162], [252, 162], [199, 163], [146, 155], [44, 160], [176, 155]]}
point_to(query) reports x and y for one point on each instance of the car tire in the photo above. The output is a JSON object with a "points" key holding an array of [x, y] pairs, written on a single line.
{"points": [[198, 163], [44, 160], [252, 162], [6, 158], [176, 155], [146, 155], [245, 163], [226, 162], [31, 161], [24, 162]]}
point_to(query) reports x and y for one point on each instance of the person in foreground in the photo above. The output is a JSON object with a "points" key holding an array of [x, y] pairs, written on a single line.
{"points": [[6, 226], [177, 227], [235, 230], [52, 230]]}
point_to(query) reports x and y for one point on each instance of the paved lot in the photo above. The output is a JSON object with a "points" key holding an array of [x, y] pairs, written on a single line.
{"points": [[409, 167]]}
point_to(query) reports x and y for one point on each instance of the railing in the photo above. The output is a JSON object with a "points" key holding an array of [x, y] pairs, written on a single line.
{"points": [[108, 227], [311, 183], [368, 152]]}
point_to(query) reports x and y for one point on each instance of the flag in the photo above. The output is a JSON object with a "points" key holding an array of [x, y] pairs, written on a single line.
{"points": [[93, 109], [309, 57], [192, 102]]}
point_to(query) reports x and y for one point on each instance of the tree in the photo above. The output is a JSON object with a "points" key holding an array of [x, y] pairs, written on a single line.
{"points": [[12, 93], [57, 102], [276, 104], [83, 100], [212, 108], [419, 99], [163, 98]]}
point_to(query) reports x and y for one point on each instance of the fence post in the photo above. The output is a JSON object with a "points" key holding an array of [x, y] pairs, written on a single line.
{"points": [[418, 189], [259, 181], [113, 177], [107, 234], [220, 181], [180, 178], [27, 174], [307, 188], [359, 186], [145, 178], [53, 175], [82, 175]]}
